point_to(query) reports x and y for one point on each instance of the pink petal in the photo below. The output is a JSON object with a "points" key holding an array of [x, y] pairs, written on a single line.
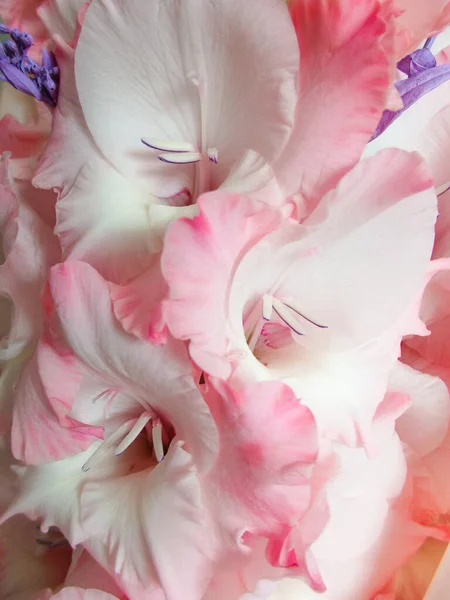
{"points": [[87, 573], [42, 431], [137, 305], [424, 128], [156, 377], [425, 424], [198, 287], [76, 593], [418, 20], [70, 145], [264, 485], [344, 80], [30, 249]]}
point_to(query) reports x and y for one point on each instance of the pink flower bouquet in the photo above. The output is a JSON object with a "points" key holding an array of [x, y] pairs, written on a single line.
{"points": [[225, 300]]}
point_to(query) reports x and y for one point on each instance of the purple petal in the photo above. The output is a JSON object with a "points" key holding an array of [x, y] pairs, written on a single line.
{"points": [[411, 90], [4, 29], [19, 80], [430, 41], [417, 62]]}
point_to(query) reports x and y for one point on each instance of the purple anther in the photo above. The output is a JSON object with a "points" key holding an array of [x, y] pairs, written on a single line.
{"points": [[23, 40], [11, 49]]}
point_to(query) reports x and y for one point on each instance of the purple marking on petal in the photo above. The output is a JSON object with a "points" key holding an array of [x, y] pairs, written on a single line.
{"points": [[411, 90]]}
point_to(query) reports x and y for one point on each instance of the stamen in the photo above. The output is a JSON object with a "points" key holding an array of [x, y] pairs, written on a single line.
{"points": [[157, 441], [292, 306], [267, 307], [109, 391], [53, 538], [167, 145], [133, 434], [286, 316], [180, 158], [108, 444], [213, 155]]}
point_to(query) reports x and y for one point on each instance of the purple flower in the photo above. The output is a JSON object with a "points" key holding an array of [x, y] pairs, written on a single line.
{"points": [[23, 73]]}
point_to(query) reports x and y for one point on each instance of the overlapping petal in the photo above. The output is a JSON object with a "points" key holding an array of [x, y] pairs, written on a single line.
{"points": [[30, 249], [158, 378], [352, 335], [344, 81]]}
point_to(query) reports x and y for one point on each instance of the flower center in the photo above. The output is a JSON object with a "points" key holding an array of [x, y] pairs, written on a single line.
{"points": [[128, 432], [177, 152], [275, 324]]}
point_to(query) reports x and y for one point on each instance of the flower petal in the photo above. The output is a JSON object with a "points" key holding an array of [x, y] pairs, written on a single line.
{"points": [[155, 531], [264, 485], [103, 220], [192, 66], [344, 80], [158, 377], [424, 425], [196, 308], [42, 403], [421, 128], [30, 249]]}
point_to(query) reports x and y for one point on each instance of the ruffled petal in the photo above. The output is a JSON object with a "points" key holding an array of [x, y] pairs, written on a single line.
{"points": [[155, 531], [157, 377], [263, 485], [42, 431], [30, 249], [424, 425], [424, 128], [198, 260], [137, 304], [417, 20], [344, 81], [50, 493], [70, 145], [104, 220]]}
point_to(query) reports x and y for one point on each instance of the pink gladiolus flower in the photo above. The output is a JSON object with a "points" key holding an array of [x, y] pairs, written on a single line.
{"points": [[225, 278]]}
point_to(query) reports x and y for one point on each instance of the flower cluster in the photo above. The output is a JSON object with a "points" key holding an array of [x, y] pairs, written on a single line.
{"points": [[225, 299]]}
